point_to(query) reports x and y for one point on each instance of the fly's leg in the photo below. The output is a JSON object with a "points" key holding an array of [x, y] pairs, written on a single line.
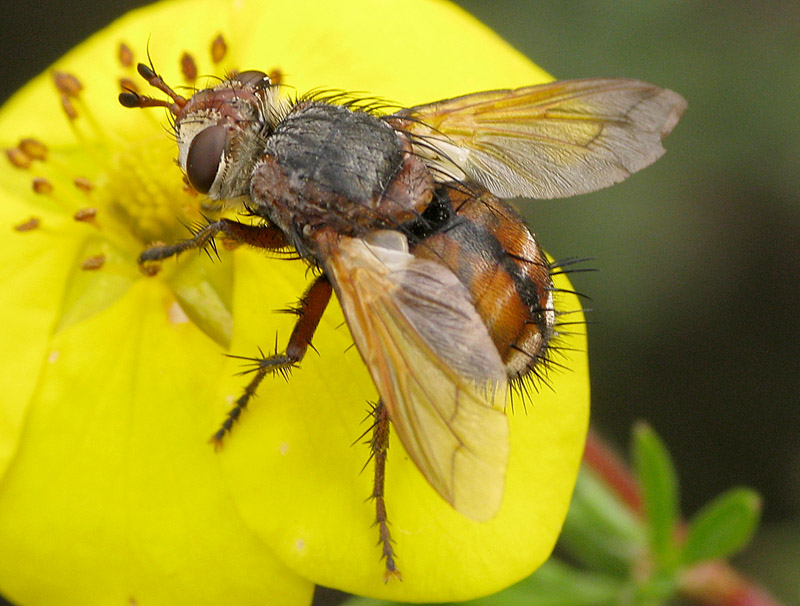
{"points": [[259, 236], [309, 312], [379, 449]]}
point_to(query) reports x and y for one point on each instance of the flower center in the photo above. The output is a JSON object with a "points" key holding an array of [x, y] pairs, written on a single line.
{"points": [[151, 204]]}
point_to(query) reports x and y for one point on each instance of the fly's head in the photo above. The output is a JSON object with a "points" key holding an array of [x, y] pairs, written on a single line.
{"points": [[220, 130], [221, 133]]}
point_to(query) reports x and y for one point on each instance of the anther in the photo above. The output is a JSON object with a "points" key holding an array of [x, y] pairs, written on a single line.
{"points": [[68, 107], [28, 225], [188, 67], [93, 263], [18, 158], [67, 84], [83, 184], [85, 214], [42, 186], [218, 49], [125, 55], [33, 148]]}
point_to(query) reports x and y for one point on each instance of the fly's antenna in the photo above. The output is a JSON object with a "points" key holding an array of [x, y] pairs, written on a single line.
{"points": [[131, 98]]}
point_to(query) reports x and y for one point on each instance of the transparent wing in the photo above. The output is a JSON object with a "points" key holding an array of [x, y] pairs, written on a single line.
{"points": [[434, 365], [549, 141]]}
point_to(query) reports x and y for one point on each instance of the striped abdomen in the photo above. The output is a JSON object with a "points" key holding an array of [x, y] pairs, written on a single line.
{"points": [[488, 246]]}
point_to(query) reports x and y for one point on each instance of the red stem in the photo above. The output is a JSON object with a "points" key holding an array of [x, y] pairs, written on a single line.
{"points": [[606, 463]]}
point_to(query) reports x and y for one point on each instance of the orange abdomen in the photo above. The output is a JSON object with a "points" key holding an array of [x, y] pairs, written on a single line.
{"points": [[488, 246]]}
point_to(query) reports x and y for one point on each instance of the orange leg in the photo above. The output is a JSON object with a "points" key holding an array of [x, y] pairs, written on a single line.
{"points": [[309, 312], [259, 236]]}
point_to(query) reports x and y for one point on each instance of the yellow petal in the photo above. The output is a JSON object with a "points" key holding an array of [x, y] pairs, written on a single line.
{"points": [[114, 486], [105, 420], [31, 277]]}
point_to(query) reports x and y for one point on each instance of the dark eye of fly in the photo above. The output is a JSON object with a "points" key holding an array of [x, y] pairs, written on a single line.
{"points": [[205, 154], [252, 77]]}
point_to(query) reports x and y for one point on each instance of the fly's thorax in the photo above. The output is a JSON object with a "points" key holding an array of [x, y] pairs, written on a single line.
{"points": [[494, 254], [221, 133], [327, 166]]}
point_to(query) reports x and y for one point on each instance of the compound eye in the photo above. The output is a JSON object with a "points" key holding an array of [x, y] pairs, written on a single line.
{"points": [[252, 77], [205, 154]]}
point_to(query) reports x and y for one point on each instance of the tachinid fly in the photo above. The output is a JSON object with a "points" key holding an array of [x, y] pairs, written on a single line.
{"points": [[446, 292]]}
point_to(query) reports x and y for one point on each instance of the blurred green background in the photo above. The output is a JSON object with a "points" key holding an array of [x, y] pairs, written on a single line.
{"points": [[693, 325]]}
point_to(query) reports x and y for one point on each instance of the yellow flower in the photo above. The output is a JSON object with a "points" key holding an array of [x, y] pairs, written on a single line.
{"points": [[114, 380]]}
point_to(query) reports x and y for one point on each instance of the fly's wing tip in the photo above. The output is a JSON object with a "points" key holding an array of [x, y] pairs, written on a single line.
{"points": [[479, 494], [677, 105], [479, 482]]}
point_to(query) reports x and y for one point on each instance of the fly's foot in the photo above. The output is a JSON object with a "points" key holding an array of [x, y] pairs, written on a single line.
{"points": [[379, 448], [262, 366]]}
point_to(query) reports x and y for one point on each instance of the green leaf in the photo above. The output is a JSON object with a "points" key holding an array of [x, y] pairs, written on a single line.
{"points": [[600, 532], [657, 477], [658, 589], [723, 526]]}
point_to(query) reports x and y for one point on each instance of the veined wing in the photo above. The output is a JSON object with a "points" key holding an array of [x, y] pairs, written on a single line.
{"points": [[434, 364], [548, 141]]}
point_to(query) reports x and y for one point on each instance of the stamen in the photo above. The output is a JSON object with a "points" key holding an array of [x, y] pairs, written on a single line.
{"points": [[67, 84], [33, 148], [188, 67], [69, 109], [18, 158], [85, 214], [218, 49], [127, 193], [70, 87], [42, 186], [83, 184], [93, 263], [28, 225], [125, 55]]}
